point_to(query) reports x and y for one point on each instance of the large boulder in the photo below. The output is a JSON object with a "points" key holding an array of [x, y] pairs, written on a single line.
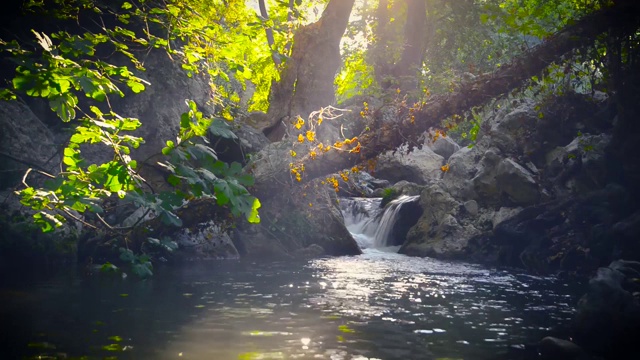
{"points": [[444, 146], [25, 141], [463, 166], [438, 232], [421, 166], [581, 165], [517, 183], [294, 216], [206, 240]]}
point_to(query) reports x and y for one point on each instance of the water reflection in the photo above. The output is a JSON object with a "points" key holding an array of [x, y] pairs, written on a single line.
{"points": [[377, 305]]}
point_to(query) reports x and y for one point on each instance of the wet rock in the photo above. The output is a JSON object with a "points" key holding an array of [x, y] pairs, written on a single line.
{"points": [[438, 233], [311, 251], [363, 184], [552, 348], [205, 241], [404, 187]]}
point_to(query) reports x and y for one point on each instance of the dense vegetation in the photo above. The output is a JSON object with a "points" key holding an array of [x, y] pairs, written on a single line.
{"points": [[423, 55]]}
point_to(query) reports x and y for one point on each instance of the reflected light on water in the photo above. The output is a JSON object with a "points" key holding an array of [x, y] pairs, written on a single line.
{"points": [[379, 305]]}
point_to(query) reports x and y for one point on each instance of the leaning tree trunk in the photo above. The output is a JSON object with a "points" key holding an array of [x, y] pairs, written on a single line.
{"points": [[306, 83], [382, 136]]}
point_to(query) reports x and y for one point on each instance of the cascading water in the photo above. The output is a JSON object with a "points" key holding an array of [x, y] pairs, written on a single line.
{"points": [[370, 225]]}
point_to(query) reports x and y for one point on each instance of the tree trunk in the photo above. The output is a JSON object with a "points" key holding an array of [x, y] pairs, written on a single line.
{"points": [[624, 16], [306, 83]]}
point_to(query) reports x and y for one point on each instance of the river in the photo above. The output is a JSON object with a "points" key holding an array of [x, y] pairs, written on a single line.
{"points": [[378, 305]]}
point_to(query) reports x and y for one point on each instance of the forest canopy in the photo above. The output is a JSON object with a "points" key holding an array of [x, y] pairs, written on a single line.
{"points": [[439, 61]]}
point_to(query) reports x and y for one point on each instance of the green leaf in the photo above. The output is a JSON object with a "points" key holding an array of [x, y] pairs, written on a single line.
{"points": [[222, 129], [64, 105], [143, 270], [127, 255], [169, 218], [223, 192], [135, 86]]}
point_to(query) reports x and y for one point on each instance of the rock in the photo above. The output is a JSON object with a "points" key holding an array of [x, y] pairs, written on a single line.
{"points": [[421, 166], [311, 251], [463, 166], [25, 141], [249, 141], [579, 166], [471, 207], [443, 146], [512, 124], [552, 348], [608, 317], [438, 233], [504, 213], [205, 241], [408, 215], [518, 183], [485, 184], [363, 184], [626, 232], [404, 187]]}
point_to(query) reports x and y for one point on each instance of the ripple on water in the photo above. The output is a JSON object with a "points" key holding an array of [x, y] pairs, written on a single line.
{"points": [[376, 305]]}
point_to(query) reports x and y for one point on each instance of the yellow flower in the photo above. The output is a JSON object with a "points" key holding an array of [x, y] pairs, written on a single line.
{"points": [[319, 120], [299, 123], [293, 153], [300, 138], [445, 168], [311, 136], [313, 154], [310, 205]]}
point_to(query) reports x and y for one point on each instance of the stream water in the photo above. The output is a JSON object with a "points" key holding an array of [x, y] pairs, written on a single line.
{"points": [[379, 305]]}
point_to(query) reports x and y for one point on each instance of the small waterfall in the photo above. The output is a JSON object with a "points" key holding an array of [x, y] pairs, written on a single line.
{"points": [[370, 225], [359, 218]]}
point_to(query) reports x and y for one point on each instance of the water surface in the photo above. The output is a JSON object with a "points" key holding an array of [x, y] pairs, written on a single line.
{"points": [[378, 305]]}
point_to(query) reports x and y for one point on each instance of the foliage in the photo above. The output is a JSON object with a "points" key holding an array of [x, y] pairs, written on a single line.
{"points": [[388, 195], [355, 78], [69, 63]]}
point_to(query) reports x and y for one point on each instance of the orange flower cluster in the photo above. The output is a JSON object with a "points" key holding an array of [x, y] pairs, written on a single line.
{"points": [[365, 110], [296, 171], [444, 168], [438, 133], [333, 182], [311, 136]]}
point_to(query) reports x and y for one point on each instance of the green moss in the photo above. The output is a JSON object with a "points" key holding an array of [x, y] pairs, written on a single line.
{"points": [[388, 195]]}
